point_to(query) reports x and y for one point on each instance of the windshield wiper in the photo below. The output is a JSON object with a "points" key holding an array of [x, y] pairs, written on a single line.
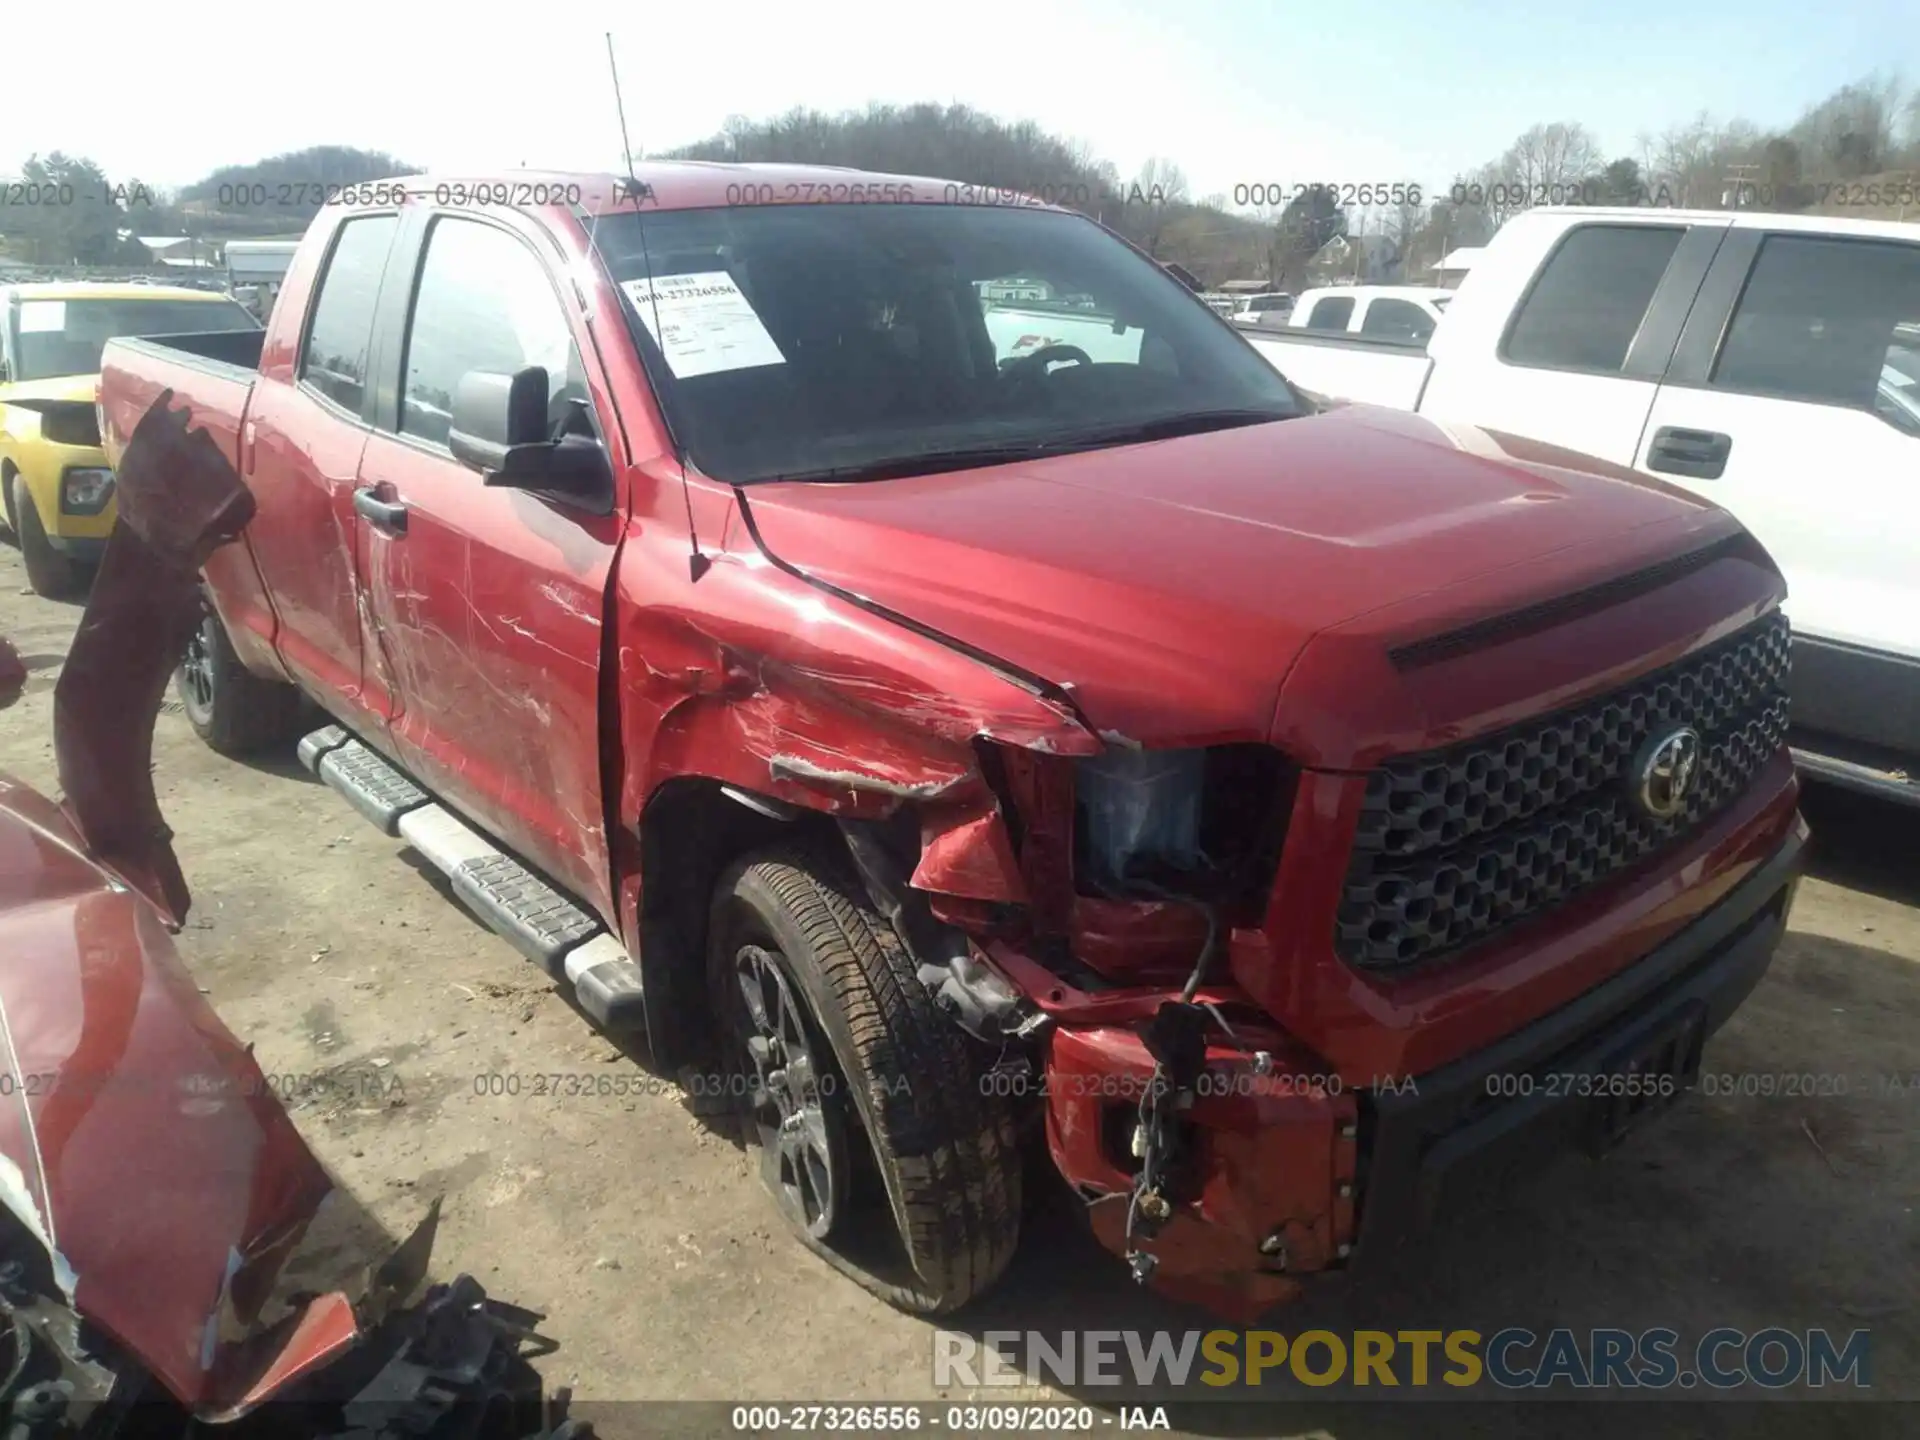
{"points": [[928, 462], [1195, 422]]}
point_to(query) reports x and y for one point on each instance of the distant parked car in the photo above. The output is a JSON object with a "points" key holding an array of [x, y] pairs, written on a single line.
{"points": [[56, 490], [1403, 313], [1264, 312]]}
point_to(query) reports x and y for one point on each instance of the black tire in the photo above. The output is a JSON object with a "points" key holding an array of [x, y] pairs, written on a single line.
{"points": [[233, 710], [49, 573], [944, 1151]]}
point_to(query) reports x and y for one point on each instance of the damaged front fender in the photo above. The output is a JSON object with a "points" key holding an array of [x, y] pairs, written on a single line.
{"points": [[764, 682]]}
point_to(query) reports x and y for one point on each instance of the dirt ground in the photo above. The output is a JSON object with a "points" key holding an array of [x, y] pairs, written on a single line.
{"points": [[637, 1227]]}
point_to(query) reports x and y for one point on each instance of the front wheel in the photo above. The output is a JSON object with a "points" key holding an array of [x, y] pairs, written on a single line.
{"points": [[832, 1040], [235, 711]]}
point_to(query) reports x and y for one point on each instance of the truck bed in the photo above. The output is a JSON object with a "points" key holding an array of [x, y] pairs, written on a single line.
{"points": [[1347, 367], [211, 373]]}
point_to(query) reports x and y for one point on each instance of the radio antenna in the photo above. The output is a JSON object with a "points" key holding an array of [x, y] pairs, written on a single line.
{"points": [[636, 190], [626, 147]]}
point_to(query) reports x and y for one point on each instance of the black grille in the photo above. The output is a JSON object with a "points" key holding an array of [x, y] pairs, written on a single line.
{"points": [[1455, 845]]}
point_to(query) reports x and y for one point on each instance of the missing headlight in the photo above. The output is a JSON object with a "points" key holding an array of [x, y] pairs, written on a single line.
{"points": [[1203, 823], [1139, 814]]}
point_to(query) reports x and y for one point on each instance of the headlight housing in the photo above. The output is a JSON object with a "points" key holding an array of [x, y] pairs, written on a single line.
{"points": [[85, 489], [1203, 823], [1140, 809]]}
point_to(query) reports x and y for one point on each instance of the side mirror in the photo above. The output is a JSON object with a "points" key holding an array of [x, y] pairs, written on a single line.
{"points": [[500, 428], [492, 413], [1185, 276]]}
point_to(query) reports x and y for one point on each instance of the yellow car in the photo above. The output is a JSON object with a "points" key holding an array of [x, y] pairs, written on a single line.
{"points": [[55, 484]]}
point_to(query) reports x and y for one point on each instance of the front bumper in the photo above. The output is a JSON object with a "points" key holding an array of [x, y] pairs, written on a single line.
{"points": [[1291, 1172], [1506, 1110], [86, 548]]}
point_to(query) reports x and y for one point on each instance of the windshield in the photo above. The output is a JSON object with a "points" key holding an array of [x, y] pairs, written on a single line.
{"points": [[55, 338], [857, 341]]}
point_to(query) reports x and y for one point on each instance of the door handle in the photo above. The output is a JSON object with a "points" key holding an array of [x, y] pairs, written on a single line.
{"points": [[1699, 454], [388, 515]]}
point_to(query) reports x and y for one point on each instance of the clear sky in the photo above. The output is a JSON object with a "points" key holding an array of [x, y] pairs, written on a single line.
{"points": [[1234, 91]]}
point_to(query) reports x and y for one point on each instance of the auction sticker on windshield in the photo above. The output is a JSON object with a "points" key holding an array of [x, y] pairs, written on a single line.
{"points": [[43, 317], [702, 323]]}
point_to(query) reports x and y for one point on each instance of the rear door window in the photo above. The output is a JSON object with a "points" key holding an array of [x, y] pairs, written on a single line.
{"points": [[1390, 319], [333, 361], [1587, 303], [1332, 313], [1833, 322]]}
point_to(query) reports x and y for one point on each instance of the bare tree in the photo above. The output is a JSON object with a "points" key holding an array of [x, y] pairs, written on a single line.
{"points": [[1681, 158], [1157, 192], [1162, 180], [1853, 131], [1549, 164], [1551, 159], [1400, 225]]}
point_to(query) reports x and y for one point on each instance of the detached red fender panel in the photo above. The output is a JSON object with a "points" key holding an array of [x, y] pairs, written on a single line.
{"points": [[139, 1141]]}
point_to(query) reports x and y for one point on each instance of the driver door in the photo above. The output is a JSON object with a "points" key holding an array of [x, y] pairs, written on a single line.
{"points": [[488, 605]]}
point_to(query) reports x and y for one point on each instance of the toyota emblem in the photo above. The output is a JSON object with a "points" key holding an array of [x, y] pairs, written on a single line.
{"points": [[1664, 771]]}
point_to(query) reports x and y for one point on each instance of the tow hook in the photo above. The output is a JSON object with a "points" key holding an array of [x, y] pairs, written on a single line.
{"points": [[1176, 1037]]}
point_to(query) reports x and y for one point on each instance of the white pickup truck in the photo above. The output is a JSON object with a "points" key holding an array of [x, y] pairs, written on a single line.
{"points": [[1407, 313], [1770, 363]]}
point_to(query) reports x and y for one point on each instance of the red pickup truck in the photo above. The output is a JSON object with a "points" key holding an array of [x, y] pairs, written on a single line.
{"points": [[1303, 816]]}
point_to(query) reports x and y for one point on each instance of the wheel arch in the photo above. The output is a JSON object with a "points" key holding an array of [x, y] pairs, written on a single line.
{"points": [[692, 829], [8, 470]]}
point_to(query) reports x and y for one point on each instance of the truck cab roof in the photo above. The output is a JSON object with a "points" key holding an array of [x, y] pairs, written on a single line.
{"points": [[702, 184], [1738, 219]]}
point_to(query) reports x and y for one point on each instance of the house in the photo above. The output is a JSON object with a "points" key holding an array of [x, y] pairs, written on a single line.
{"points": [[1356, 259], [168, 247], [259, 262], [255, 270], [1449, 268]]}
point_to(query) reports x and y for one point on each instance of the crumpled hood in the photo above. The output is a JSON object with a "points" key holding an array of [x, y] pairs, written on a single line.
{"points": [[1171, 585]]}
